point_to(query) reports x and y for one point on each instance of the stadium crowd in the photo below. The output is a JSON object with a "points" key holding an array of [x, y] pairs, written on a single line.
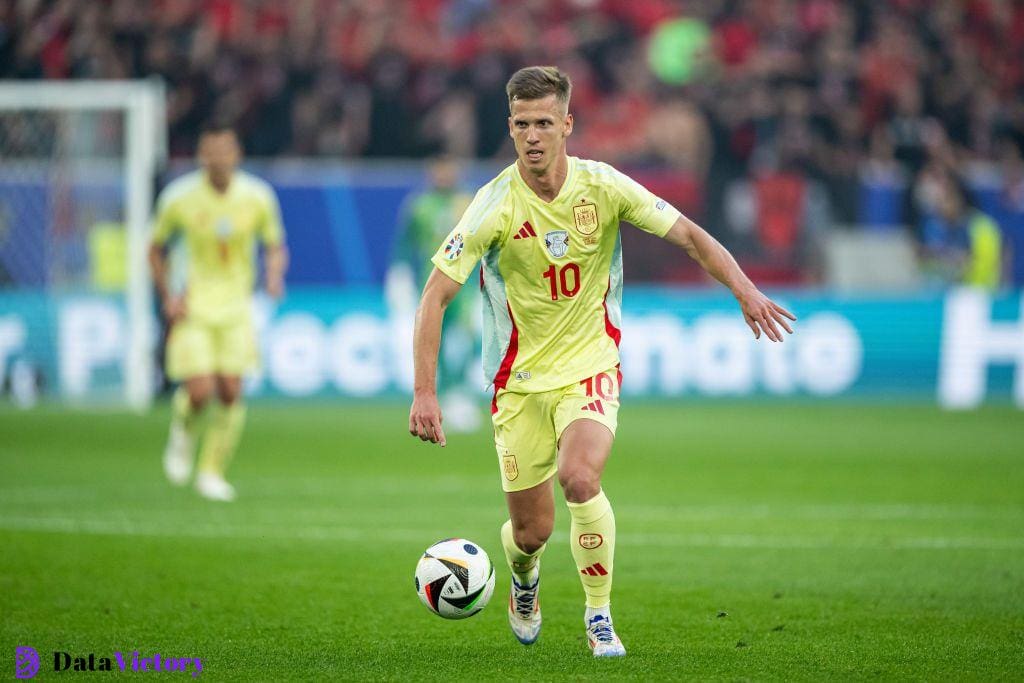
{"points": [[802, 107]]}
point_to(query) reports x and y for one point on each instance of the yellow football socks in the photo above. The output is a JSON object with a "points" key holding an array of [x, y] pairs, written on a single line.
{"points": [[593, 547], [521, 563], [221, 439], [184, 414]]}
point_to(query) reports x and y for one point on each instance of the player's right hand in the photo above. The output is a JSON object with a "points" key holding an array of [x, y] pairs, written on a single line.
{"points": [[425, 419], [174, 308]]}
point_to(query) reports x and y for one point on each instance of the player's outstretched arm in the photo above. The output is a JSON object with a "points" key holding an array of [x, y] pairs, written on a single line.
{"points": [[761, 313], [425, 414]]}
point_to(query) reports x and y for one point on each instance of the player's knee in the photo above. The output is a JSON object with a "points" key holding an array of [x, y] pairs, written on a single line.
{"points": [[198, 397], [579, 485], [531, 538], [229, 396], [229, 391]]}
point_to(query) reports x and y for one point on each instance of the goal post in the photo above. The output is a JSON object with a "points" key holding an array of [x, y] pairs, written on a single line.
{"points": [[62, 152]]}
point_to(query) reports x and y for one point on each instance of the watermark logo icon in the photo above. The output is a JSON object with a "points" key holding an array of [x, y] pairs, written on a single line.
{"points": [[26, 662]]}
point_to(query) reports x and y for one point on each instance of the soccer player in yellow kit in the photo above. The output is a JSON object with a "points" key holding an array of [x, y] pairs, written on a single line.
{"points": [[546, 230], [220, 213]]}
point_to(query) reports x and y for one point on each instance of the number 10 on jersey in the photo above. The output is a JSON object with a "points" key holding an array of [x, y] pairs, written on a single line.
{"points": [[565, 280]]}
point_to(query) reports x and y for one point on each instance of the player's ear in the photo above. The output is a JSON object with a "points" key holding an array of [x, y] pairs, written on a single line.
{"points": [[511, 131], [568, 125]]}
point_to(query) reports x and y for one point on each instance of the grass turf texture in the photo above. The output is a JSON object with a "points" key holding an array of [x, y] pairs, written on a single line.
{"points": [[754, 542]]}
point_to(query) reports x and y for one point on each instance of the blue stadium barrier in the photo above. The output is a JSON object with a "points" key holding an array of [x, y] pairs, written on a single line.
{"points": [[959, 349]]}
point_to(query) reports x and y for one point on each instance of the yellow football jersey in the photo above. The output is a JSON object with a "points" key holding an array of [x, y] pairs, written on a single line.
{"points": [[551, 272], [220, 233]]}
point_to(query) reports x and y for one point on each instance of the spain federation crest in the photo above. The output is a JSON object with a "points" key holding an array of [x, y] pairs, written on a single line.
{"points": [[509, 467], [557, 242], [585, 215]]}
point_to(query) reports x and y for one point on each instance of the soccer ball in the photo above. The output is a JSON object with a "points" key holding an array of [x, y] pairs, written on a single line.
{"points": [[455, 578]]}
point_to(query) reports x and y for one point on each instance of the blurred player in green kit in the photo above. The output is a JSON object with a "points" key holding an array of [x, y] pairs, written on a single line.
{"points": [[426, 219]]}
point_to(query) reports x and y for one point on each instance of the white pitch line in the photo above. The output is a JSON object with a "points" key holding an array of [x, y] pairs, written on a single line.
{"points": [[837, 511], [39, 495], [129, 527]]}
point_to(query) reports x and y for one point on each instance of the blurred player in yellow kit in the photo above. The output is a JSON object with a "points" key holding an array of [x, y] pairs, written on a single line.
{"points": [[221, 214], [546, 231]]}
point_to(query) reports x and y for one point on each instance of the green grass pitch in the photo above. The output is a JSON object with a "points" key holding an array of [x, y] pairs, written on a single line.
{"points": [[755, 541]]}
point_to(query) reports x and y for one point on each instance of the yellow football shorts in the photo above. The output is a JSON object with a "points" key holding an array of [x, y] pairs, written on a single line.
{"points": [[195, 349], [527, 427]]}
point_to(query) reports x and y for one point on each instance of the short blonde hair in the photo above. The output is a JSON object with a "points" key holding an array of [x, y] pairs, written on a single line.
{"points": [[536, 82]]}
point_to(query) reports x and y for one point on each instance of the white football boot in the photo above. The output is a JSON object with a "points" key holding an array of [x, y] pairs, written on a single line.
{"points": [[178, 455], [214, 487], [524, 608], [601, 634]]}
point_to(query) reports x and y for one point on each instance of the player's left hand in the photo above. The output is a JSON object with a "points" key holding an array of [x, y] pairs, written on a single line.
{"points": [[762, 314], [275, 288], [425, 419]]}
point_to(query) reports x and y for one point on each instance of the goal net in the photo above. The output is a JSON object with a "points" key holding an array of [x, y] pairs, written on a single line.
{"points": [[77, 167]]}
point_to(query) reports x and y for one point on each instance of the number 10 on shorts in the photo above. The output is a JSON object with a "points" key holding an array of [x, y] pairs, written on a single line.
{"points": [[602, 383]]}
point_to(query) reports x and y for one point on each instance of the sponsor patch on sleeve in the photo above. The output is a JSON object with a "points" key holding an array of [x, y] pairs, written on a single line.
{"points": [[453, 249]]}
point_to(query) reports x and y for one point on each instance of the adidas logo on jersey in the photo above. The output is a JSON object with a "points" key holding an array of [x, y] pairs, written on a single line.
{"points": [[595, 570], [525, 231], [594, 406]]}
